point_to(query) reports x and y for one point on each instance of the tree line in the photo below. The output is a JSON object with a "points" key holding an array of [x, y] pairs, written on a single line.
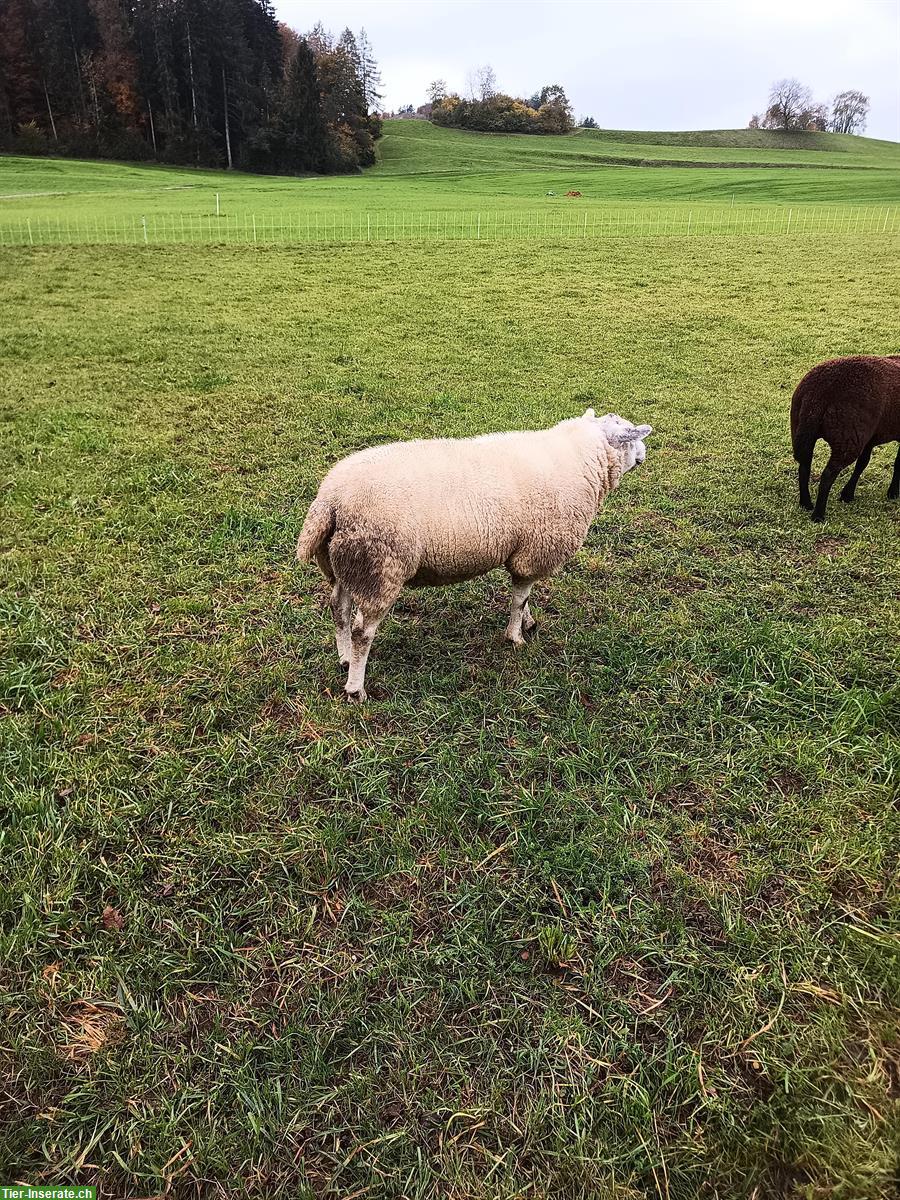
{"points": [[202, 82], [791, 108], [491, 111]]}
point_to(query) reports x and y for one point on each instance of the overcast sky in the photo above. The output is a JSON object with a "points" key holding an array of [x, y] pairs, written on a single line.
{"points": [[633, 64]]}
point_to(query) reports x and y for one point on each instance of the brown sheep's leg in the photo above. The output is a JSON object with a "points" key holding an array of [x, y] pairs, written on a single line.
{"points": [[519, 614], [894, 489], [848, 492], [826, 483]]}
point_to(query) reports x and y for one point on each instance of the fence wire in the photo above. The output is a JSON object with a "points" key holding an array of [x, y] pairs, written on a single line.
{"points": [[302, 228]]}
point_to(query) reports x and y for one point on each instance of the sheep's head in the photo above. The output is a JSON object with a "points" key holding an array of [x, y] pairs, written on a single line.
{"points": [[624, 437]]}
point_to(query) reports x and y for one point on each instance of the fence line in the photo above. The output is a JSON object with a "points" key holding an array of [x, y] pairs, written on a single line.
{"points": [[284, 228]]}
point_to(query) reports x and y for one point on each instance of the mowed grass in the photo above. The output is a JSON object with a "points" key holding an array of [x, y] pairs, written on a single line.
{"points": [[612, 917], [424, 168]]}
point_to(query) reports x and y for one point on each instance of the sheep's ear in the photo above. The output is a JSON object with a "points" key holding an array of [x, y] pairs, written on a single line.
{"points": [[589, 415], [628, 434]]}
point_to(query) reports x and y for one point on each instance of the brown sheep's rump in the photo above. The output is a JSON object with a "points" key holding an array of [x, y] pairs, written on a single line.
{"points": [[854, 405], [849, 402]]}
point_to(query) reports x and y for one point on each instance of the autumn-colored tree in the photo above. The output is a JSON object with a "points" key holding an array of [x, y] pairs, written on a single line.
{"points": [[791, 108], [816, 118], [554, 110], [290, 40], [344, 106], [507, 114], [117, 65], [199, 81]]}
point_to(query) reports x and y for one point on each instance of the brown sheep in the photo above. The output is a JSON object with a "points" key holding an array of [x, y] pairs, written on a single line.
{"points": [[854, 404]]}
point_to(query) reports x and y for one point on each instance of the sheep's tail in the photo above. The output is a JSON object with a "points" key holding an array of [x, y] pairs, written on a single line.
{"points": [[805, 421], [805, 414], [317, 529]]}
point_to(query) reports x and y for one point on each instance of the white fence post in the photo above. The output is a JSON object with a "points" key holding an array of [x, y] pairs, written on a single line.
{"points": [[144, 223], [30, 235], [368, 227], [790, 215], [478, 231], [217, 203]]}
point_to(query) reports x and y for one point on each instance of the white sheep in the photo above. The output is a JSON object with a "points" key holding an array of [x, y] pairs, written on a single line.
{"points": [[437, 512]]}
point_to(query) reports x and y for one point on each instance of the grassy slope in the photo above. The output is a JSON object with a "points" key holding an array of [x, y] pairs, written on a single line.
{"points": [[610, 918], [420, 146], [424, 168], [763, 139]]}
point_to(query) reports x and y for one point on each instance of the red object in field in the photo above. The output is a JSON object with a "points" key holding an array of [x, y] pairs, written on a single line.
{"points": [[573, 193]]}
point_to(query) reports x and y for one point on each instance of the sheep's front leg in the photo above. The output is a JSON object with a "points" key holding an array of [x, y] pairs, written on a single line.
{"points": [[341, 605], [365, 625], [519, 613]]}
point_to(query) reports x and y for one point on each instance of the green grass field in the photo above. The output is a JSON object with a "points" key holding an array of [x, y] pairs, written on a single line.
{"points": [[615, 916], [425, 169], [611, 918]]}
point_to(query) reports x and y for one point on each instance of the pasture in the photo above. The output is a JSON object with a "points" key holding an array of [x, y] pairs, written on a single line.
{"points": [[426, 170], [611, 917]]}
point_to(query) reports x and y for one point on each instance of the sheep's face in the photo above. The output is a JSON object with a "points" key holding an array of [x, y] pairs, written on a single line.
{"points": [[624, 437]]}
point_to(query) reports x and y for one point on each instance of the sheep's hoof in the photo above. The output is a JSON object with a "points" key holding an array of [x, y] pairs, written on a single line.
{"points": [[848, 497], [355, 697], [893, 493], [528, 623], [514, 641], [819, 518]]}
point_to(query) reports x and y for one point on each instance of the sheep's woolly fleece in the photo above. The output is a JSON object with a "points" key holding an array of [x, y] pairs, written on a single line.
{"points": [[431, 512], [854, 405]]}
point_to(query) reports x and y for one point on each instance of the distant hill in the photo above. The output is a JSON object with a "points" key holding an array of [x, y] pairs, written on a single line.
{"points": [[414, 147]]}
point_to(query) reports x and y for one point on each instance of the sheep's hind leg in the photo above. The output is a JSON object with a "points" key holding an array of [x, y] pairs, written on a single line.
{"points": [[341, 606], [365, 625], [833, 468], [848, 492], [894, 489], [519, 614], [804, 460]]}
